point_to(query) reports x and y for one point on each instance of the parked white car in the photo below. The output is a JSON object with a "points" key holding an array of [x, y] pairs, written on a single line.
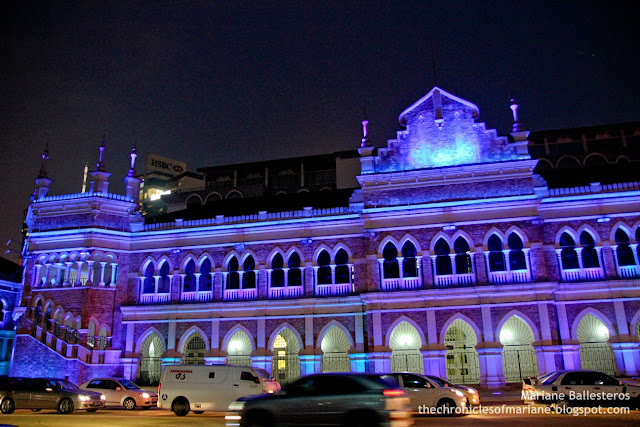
{"points": [[121, 392], [426, 396], [565, 389], [200, 388], [271, 385]]}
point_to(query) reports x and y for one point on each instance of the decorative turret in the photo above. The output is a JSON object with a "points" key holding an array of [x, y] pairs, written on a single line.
{"points": [[43, 182], [520, 137], [366, 149], [132, 184], [99, 179]]}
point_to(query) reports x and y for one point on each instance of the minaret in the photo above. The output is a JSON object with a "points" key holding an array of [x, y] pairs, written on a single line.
{"points": [[132, 184], [99, 178], [520, 137], [43, 182], [366, 149]]}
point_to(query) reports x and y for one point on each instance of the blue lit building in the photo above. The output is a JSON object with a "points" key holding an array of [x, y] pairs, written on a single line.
{"points": [[446, 251]]}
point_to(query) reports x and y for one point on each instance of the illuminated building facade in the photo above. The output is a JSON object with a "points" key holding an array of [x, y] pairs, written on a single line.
{"points": [[452, 256]]}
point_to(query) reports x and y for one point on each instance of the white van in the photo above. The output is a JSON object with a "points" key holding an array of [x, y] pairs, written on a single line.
{"points": [[202, 388]]}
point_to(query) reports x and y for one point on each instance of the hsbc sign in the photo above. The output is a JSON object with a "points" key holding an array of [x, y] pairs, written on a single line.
{"points": [[165, 165]]}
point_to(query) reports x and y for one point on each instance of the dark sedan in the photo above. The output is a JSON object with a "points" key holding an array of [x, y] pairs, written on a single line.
{"points": [[46, 393], [326, 399]]}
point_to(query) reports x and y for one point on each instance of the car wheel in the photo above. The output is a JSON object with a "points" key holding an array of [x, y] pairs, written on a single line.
{"points": [[447, 407], [65, 406], [180, 406], [92, 410], [7, 406], [198, 412], [257, 419], [562, 406], [129, 404]]}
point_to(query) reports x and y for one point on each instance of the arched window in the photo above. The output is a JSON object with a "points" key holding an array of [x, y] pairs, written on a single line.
{"points": [[205, 275], [164, 283], [295, 273], [517, 260], [149, 284], [249, 276], [324, 270], [589, 252], [233, 278], [409, 263], [343, 274], [189, 277], [568, 254], [390, 263], [496, 256], [443, 260], [463, 259], [277, 273], [624, 253]]}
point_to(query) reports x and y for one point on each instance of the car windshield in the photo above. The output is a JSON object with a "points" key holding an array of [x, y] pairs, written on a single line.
{"points": [[129, 385], [439, 381], [551, 378], [64, 384]]}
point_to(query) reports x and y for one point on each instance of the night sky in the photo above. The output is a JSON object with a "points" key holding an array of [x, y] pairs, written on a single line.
{"points": [[226, 82]]}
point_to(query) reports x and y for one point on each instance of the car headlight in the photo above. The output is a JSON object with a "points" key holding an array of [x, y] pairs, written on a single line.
{"points": [[236, 406], [458, 392], [145, 395], [472, 390], [103, 397], [84, 398]]}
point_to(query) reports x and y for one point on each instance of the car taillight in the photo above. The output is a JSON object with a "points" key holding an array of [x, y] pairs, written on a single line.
{"points": [[393, 393], [159, 385]]}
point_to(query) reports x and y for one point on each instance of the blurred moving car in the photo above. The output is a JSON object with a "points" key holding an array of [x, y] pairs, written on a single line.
{"points": [[427, 397], [121, 392], [473, 398], [46, 393], [564, 389], [271, 385], [326, 399]]}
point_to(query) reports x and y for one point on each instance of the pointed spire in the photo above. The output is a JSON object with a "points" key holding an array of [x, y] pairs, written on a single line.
{"points": [[514, 109], [100, 166], [132, 169], [43, 167], [365, 122]]}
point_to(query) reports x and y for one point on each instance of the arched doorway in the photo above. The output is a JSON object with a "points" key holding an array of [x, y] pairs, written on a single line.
{"points": [[194, 350], [463, 365], [150, 360], [595, 351], [405, 343], [518, 355], [285, 364], [239, 349], [335, 351]]}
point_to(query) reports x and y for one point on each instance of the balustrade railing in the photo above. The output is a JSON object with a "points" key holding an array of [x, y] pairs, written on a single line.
{"points": [[285, 292], [449, 280], [334, 289], [239, 294], [628, 271], [513, 276], [197, 296], [393, 284], [154, 298]]}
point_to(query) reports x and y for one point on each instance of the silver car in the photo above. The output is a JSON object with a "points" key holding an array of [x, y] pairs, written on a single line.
{"points": [[426, 396], [326, 399], [121, 392], [46, 393]]}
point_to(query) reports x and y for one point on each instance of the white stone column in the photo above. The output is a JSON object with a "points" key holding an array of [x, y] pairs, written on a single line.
{"points": [[102, 266], [67, 274], [37, 282]]}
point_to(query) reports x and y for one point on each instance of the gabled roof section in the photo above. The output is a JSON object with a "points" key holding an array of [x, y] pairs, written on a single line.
{"points": [[402, 118]]}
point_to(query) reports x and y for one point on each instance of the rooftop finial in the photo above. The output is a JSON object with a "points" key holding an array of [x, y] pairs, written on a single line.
{"points": [[100, 166], [132, 170], [514, 109], [43, 167], [365, 122]]}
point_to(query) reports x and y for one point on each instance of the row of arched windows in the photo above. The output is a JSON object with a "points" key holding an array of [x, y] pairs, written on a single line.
{"points": [[454, 261]]}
